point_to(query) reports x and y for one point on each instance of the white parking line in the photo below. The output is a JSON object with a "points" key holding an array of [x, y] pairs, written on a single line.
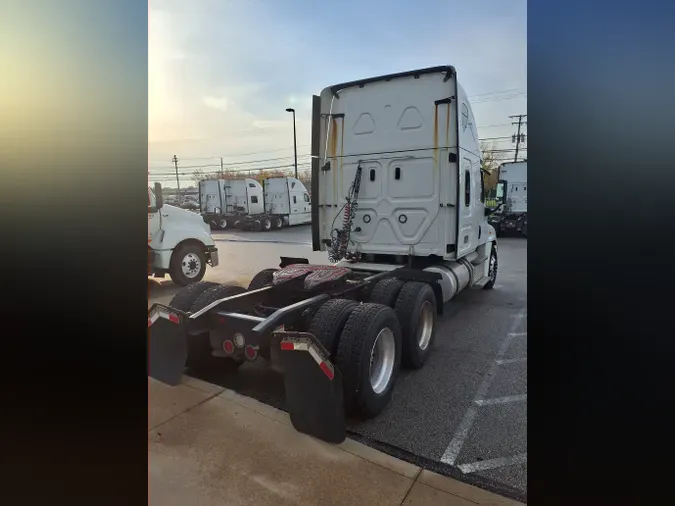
{"points": [[455, 446], [517, 334], [485, 465], [501, 400]]}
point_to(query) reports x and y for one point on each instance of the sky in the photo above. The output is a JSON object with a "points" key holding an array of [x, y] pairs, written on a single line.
{"points": [[222, 73]]}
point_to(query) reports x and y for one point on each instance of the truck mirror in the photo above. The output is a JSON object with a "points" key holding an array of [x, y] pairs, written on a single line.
{"points": [[500, 191], [159, 199]]}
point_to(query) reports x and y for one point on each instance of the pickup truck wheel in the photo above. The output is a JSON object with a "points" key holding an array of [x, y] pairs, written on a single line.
{"points": [[188, 264], [263, 278], [329, 321], [494, 266], [200, 356], [277, 222], [416, 312], [386, 292], [368, 356], [266, 224]]}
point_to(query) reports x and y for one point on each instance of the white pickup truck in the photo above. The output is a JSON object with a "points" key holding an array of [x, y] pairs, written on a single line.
{"points": [[179, 242]]}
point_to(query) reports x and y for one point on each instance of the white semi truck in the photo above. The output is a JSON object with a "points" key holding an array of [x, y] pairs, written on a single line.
{"points": [[512, 197], [179, 242], [399, 206], [244, 203]]}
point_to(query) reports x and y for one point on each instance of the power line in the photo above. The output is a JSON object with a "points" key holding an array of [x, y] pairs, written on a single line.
{"points": [[264, 160], [244, 165], [499, 99], [243, 154], [512, 90]]}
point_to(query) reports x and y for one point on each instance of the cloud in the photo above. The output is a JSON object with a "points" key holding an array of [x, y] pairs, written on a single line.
{"points": [[220, 103]]}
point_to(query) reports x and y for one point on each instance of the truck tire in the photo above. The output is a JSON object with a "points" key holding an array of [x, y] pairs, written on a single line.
{"points": [[416, 312], [187, 295], [277, 222], [266, 224], [368, 356], [188, 264], [329, 321], [386, 292], [200, 355], [494, 267], [223, 224], [213, 223], [263, 278], [256, 226]]}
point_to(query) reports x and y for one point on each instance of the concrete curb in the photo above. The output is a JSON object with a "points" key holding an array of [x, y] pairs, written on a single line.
{"points": [[436, 481]]}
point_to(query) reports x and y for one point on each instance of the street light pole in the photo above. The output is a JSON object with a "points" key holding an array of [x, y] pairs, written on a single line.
{"points": [[295, 143]]}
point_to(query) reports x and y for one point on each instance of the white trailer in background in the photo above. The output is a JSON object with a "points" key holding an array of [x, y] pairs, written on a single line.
{"points": [[244, 204], [512, 196], [287, 198], [224, 202]]}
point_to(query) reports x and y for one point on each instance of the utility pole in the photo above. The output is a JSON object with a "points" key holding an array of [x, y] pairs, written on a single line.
{"points": [[175, 163], [221, 167], [518, 138]]}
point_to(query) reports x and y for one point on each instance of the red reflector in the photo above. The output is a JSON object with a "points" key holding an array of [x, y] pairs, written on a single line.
{"points": [[221, 320], [173, 318], [326, 370], [149, 322], [228, 346], [286, 345], [250, 352]]}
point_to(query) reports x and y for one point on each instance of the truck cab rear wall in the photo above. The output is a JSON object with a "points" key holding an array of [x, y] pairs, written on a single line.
{"points": [[414, 136]]}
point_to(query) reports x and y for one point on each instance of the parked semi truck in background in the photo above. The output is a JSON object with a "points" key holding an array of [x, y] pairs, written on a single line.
{"points": [[179, 242], [512, 197], [399, 205], [246, 204]]}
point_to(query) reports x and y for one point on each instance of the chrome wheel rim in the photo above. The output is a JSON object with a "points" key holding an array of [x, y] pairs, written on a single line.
{"points": [[223, 223], [267, 224], [191, 265], [382, 357], [426, 325], [493, 267]]}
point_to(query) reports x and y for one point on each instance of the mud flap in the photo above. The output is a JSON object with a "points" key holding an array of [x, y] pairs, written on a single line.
{"points": [[314, 396], [167, 344]]}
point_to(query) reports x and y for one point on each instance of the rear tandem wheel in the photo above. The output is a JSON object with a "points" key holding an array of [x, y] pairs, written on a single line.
{"points": [[416, 312], [368, 356]]}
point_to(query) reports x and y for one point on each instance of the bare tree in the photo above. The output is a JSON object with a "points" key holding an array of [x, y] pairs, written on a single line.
{"points": [[490, 161]]}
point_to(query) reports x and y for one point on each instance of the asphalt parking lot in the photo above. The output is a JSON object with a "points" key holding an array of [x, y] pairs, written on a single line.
{"points": [[465, 413]]}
